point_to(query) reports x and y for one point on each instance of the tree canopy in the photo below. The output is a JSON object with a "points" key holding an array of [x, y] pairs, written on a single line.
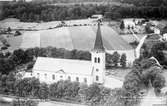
{"points": [[37, 12], [138, 79]]}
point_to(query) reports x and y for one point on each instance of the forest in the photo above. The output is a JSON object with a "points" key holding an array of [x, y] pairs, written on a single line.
{"points": [[146, 2], [37, 12]]}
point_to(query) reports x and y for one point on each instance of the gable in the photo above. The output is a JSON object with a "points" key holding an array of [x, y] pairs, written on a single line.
{"points": [[61, 71]]}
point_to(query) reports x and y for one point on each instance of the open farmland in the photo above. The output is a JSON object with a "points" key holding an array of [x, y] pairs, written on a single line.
{"points": [[30, 39], [78, 37]]}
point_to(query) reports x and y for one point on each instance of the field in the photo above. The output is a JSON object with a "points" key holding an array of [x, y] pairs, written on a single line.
{"points": [[77, 37], [15, 24]]}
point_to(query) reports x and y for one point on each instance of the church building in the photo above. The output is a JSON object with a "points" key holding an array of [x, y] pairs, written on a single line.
{"points": [[51, 70]]}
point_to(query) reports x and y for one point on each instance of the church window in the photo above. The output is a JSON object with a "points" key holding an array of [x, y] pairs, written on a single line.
{"points": [[85, 80], [61, 76], [97, 70], [95, 60], [98, 60], [77, 79], [97, 78], [53, 77], [69, 78]]}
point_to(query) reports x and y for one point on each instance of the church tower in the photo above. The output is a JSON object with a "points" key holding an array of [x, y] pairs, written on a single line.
{"points": [[98, 58]]}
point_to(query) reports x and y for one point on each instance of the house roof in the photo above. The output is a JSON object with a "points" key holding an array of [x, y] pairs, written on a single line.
{"points": [[98, 46], [67, 66]]}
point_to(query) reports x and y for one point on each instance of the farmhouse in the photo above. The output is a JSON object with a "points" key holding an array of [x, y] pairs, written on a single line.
{"points": [[51, 70]]}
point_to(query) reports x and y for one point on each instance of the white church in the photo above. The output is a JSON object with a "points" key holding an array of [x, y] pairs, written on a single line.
{"points": [[51, 70]]}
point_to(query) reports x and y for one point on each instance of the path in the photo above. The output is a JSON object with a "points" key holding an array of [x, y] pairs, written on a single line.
{"points": [[53, 103], [151, 99]]}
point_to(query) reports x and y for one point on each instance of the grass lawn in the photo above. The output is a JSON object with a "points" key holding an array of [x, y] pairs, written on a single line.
{"points": [[119, 73]]}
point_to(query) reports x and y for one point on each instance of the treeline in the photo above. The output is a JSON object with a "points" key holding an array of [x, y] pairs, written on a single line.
{"points": [[146, 2], [68, 1], [10, 61], [61, 91], [37, 12]]}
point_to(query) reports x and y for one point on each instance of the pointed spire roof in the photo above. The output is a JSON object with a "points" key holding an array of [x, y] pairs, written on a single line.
{"points": [[98, 46]]}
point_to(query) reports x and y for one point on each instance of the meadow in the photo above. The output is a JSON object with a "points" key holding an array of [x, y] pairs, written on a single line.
{"points": [[77, 37]]}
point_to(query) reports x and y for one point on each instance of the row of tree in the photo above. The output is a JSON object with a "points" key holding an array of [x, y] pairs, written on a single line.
{"points": [[36, 12], [146, 2], [61, 90], [116, 60], [10, 61], [65, 1]]}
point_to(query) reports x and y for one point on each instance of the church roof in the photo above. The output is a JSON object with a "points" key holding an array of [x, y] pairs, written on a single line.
{"points": [[68, 66], [98, 46]]}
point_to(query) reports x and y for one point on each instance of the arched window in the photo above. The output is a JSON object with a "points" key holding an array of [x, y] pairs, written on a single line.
{"points": [[38, 75], [95, 60], [45, 76], [53, 77], [97, 70], [98, 60], [97, 78], [69, 78]]}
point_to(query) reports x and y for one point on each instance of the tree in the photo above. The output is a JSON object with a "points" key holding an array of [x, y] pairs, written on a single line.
{"points": [[10, 82], [17, 33], [43, 92], [19, 56], [123, 60], [122, 25], [116, 58], [142, 72], [115, 98], [3, 83], [9, 30]]}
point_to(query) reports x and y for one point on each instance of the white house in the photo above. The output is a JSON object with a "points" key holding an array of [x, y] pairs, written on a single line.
{"points": [[97, 16], [129, 23], [51, 70], [165, 36]]}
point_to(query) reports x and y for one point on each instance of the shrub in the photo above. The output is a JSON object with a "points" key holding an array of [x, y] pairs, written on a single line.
{"points": [[4, 48]]}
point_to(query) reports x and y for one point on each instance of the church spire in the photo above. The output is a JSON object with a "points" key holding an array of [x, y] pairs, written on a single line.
{"points": [[98, 46]]}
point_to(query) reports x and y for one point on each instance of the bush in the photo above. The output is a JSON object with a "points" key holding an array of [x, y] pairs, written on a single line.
{"points": [[30, 65], [24, 103], [4, 48], [17, 33]]}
